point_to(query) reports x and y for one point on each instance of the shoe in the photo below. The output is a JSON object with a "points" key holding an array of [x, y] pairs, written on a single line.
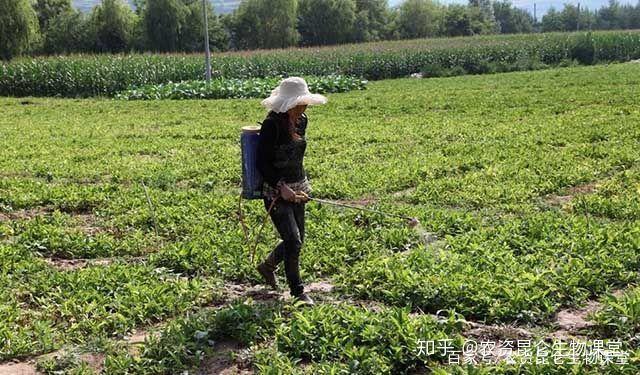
{"points": [[268, 274], [303, 299]]}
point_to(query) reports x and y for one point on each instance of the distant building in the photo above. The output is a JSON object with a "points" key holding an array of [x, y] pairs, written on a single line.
{"points": [[220, 6]]}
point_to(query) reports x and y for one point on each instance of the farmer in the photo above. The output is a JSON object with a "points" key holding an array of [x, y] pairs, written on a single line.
{"points": [[280, 156]]}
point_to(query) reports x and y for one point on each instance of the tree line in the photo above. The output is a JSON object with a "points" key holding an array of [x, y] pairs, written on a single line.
{"points": [[55, 27]]}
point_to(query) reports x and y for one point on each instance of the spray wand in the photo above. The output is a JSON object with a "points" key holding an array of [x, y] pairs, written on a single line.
{"points": [[412, 221]]}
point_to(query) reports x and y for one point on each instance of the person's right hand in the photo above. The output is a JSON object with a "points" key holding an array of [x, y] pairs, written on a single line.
{"points": [[287, 193], [302, 197]]}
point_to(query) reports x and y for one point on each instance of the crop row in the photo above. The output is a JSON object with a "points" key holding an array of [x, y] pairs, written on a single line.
{"points": [[106, 75], [43, 307], [327, 339]]}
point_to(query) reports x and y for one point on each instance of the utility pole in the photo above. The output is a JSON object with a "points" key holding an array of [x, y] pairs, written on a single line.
{"points": [[207, 51], [578, 21], [535, 17]]}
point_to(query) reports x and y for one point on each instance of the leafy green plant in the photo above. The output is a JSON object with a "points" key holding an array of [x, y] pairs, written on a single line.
{"points": [[619, 316], [223, 88]]}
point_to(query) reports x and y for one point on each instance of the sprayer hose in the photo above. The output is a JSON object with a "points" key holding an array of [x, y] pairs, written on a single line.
{"points": [[245, 229]]}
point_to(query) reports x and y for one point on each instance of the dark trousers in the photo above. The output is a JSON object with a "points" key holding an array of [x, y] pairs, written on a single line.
{"points": [[288, 218]]}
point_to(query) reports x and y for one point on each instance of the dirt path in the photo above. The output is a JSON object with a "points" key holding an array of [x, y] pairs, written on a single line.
{"points": [[226, 360], [404, 194], [572, 322], [25, 214], [556, 200], [74, 264], [84, 221], [23, 368]]}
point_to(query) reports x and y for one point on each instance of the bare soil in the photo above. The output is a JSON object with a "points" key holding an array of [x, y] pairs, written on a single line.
{"points": [[222, 362], [573, 320], [11, 368], [404, 193], [561, 200], [25, 214], [139, 336], [94, 360], [88, 224], [74, 264], [499, 332]]}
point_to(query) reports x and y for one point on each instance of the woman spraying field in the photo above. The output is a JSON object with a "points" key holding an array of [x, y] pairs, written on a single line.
{"points": [[280, 156]]}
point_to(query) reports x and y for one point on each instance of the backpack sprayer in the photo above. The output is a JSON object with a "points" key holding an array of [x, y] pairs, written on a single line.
{"points": [[252, 186]]}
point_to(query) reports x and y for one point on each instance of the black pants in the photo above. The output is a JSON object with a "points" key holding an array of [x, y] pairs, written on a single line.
{"points": [[288, 218]]}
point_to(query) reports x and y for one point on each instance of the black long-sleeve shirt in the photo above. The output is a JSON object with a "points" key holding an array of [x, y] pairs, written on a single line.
{"points": [[279, 156]]}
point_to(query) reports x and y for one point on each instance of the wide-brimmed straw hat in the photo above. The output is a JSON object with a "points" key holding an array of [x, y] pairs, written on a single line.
{"points": [[291, 92]]}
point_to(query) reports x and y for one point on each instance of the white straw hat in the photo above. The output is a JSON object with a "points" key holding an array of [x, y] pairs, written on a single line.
{"points": [[291, 92]]}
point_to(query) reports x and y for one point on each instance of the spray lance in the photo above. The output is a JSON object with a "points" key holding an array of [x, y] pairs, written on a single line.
{"points": [[412, 222]]}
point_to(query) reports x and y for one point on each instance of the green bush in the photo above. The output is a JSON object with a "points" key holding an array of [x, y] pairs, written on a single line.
{"points": [[584, 49]]}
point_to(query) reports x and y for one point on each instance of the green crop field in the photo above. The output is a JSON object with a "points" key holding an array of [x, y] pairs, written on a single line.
{"points": [[107, 75], [527, 187]]}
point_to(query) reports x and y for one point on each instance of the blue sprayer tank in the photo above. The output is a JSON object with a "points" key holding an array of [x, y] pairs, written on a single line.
{"points": [[251, 177]]}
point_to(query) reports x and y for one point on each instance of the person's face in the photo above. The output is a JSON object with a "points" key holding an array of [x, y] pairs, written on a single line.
{"points": [[297, 111]]}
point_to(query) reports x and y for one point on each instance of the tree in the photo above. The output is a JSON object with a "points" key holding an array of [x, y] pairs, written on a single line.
{"points": [[552, 21], [279, 22], [323, 22], [392, 29], [49, 9], [611, 17], [112, 24], [456, 21], [191, 37], [570, 16], [419, 19], [482, 17], [19, 30], [68, 32], [264, 24], [372, 17], [163, 21], [139, 6], [510, 19], [634, 17]]}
